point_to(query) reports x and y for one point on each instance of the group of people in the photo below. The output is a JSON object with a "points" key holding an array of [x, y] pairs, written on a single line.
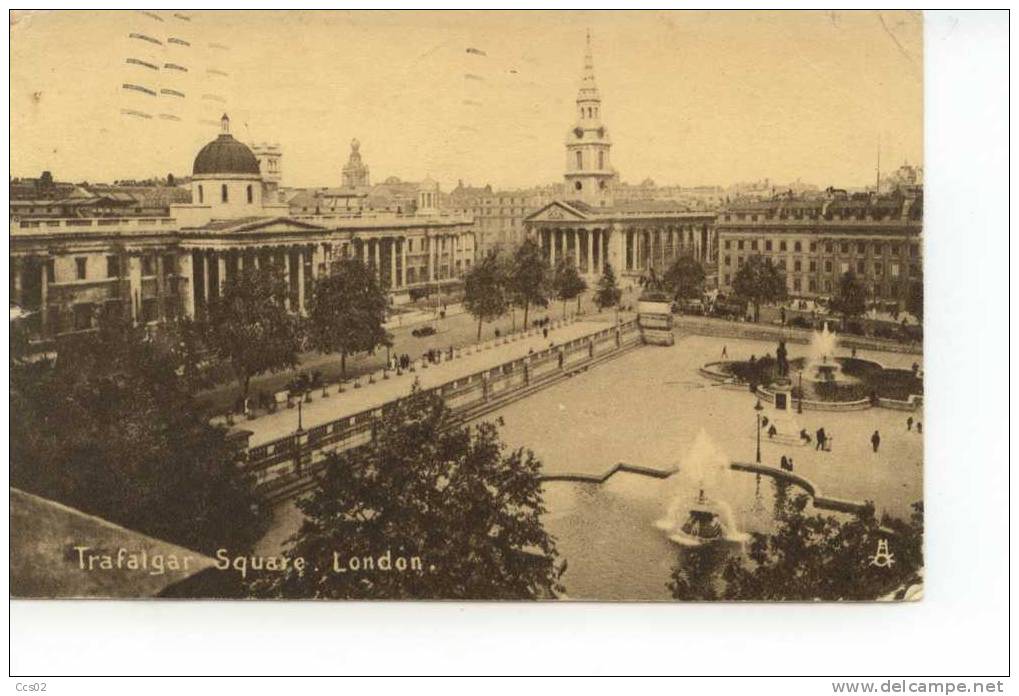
{"points": [[401, 362], [436, 355], [821, 438]]}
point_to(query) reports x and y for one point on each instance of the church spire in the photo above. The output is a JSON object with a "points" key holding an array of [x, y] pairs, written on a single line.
{"points": [[588, 88], [589, 174]]}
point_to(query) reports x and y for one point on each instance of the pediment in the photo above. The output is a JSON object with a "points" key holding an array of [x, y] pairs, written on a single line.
{"points": [[556, 211], [261, 225]]}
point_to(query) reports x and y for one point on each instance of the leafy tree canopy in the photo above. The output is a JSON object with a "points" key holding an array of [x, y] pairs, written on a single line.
{"points": [[485, 290], [608, 294], [567, 282], [109, 428], [851, 298], [249, 325], [914, 301], [451, 495], [530, 277], [685, 278], [347, 311], [759, 281], [808, 557]]}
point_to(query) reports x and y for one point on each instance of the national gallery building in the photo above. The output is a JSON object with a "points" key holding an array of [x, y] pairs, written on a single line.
{"points": [[66, 272]]}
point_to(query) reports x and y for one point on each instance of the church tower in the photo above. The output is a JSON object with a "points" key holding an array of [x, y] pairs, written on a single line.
{"points": [[355, 173], [589, 176]]}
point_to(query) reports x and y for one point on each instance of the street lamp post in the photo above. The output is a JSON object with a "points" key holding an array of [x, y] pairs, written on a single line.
{"points": [[799, 403], [758, 408]]}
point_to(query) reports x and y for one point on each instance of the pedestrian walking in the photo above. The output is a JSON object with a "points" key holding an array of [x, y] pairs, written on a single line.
{"points": [[783, 463], [875, 440], [725, 352], [919, 427], [820, 436], [909, 423]]}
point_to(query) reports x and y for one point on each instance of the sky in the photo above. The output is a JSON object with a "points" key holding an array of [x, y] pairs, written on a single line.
{"points": [[689, 98]]}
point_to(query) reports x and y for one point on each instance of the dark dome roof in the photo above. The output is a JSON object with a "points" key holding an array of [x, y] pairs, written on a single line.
{"points": [[226, 155]]}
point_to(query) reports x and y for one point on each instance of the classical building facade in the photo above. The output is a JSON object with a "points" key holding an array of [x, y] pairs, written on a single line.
{"points": [[66, 273], [592, 229], [814, 241]]}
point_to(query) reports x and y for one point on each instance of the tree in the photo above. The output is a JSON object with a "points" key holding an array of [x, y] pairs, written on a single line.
{"points": [[850, 298], [809, 558], [914, 301], [608, 293], [347, 312], [685, 278], [759, 281], [485, 291], [249, 325], [694, 577], [529, 280], [449, 495], [567, 282], [109, 428]]}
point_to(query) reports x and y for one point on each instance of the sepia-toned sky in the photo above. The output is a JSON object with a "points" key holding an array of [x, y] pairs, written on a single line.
{"points": [[688, 97]]}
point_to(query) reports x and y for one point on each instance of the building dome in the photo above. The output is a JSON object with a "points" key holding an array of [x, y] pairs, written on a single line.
{"points": [[226, 155]]}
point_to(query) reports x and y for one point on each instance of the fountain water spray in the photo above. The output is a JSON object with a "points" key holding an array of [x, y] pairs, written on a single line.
{"points": [[700, 518]]}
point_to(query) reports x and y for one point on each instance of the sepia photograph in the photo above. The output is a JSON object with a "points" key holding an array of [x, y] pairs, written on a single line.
{"points": [[603, 306]]}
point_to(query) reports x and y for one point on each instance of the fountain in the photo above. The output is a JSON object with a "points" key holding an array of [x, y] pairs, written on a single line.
{"points": [[821, 363], [700, 519]]}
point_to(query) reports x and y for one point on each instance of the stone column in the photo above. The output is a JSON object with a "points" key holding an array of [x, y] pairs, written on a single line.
{"points": [[187, 269], [403, 262], [378, 259], [300, 281], [16, 279], [160, 287], [285, 256], [205, 279], [552, 235], [393, 280], [316, 259], [221, 268], [604, 239], [589, 266]]}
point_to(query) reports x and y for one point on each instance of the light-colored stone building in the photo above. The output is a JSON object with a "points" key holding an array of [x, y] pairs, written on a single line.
{"points": [[814, 241], [66, 273]]}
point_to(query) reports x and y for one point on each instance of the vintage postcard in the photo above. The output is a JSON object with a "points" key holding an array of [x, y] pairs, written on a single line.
{"points": [[467, 305]]}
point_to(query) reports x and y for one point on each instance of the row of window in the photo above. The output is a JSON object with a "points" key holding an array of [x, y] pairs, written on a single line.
{"points": [[580, 159], [829, 266], [224, 193], [813, 214], [829, 247], [113, 267], [826, 285]]}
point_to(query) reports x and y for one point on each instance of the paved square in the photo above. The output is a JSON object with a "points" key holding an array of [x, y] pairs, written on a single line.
{"points": [[647, 406]]}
